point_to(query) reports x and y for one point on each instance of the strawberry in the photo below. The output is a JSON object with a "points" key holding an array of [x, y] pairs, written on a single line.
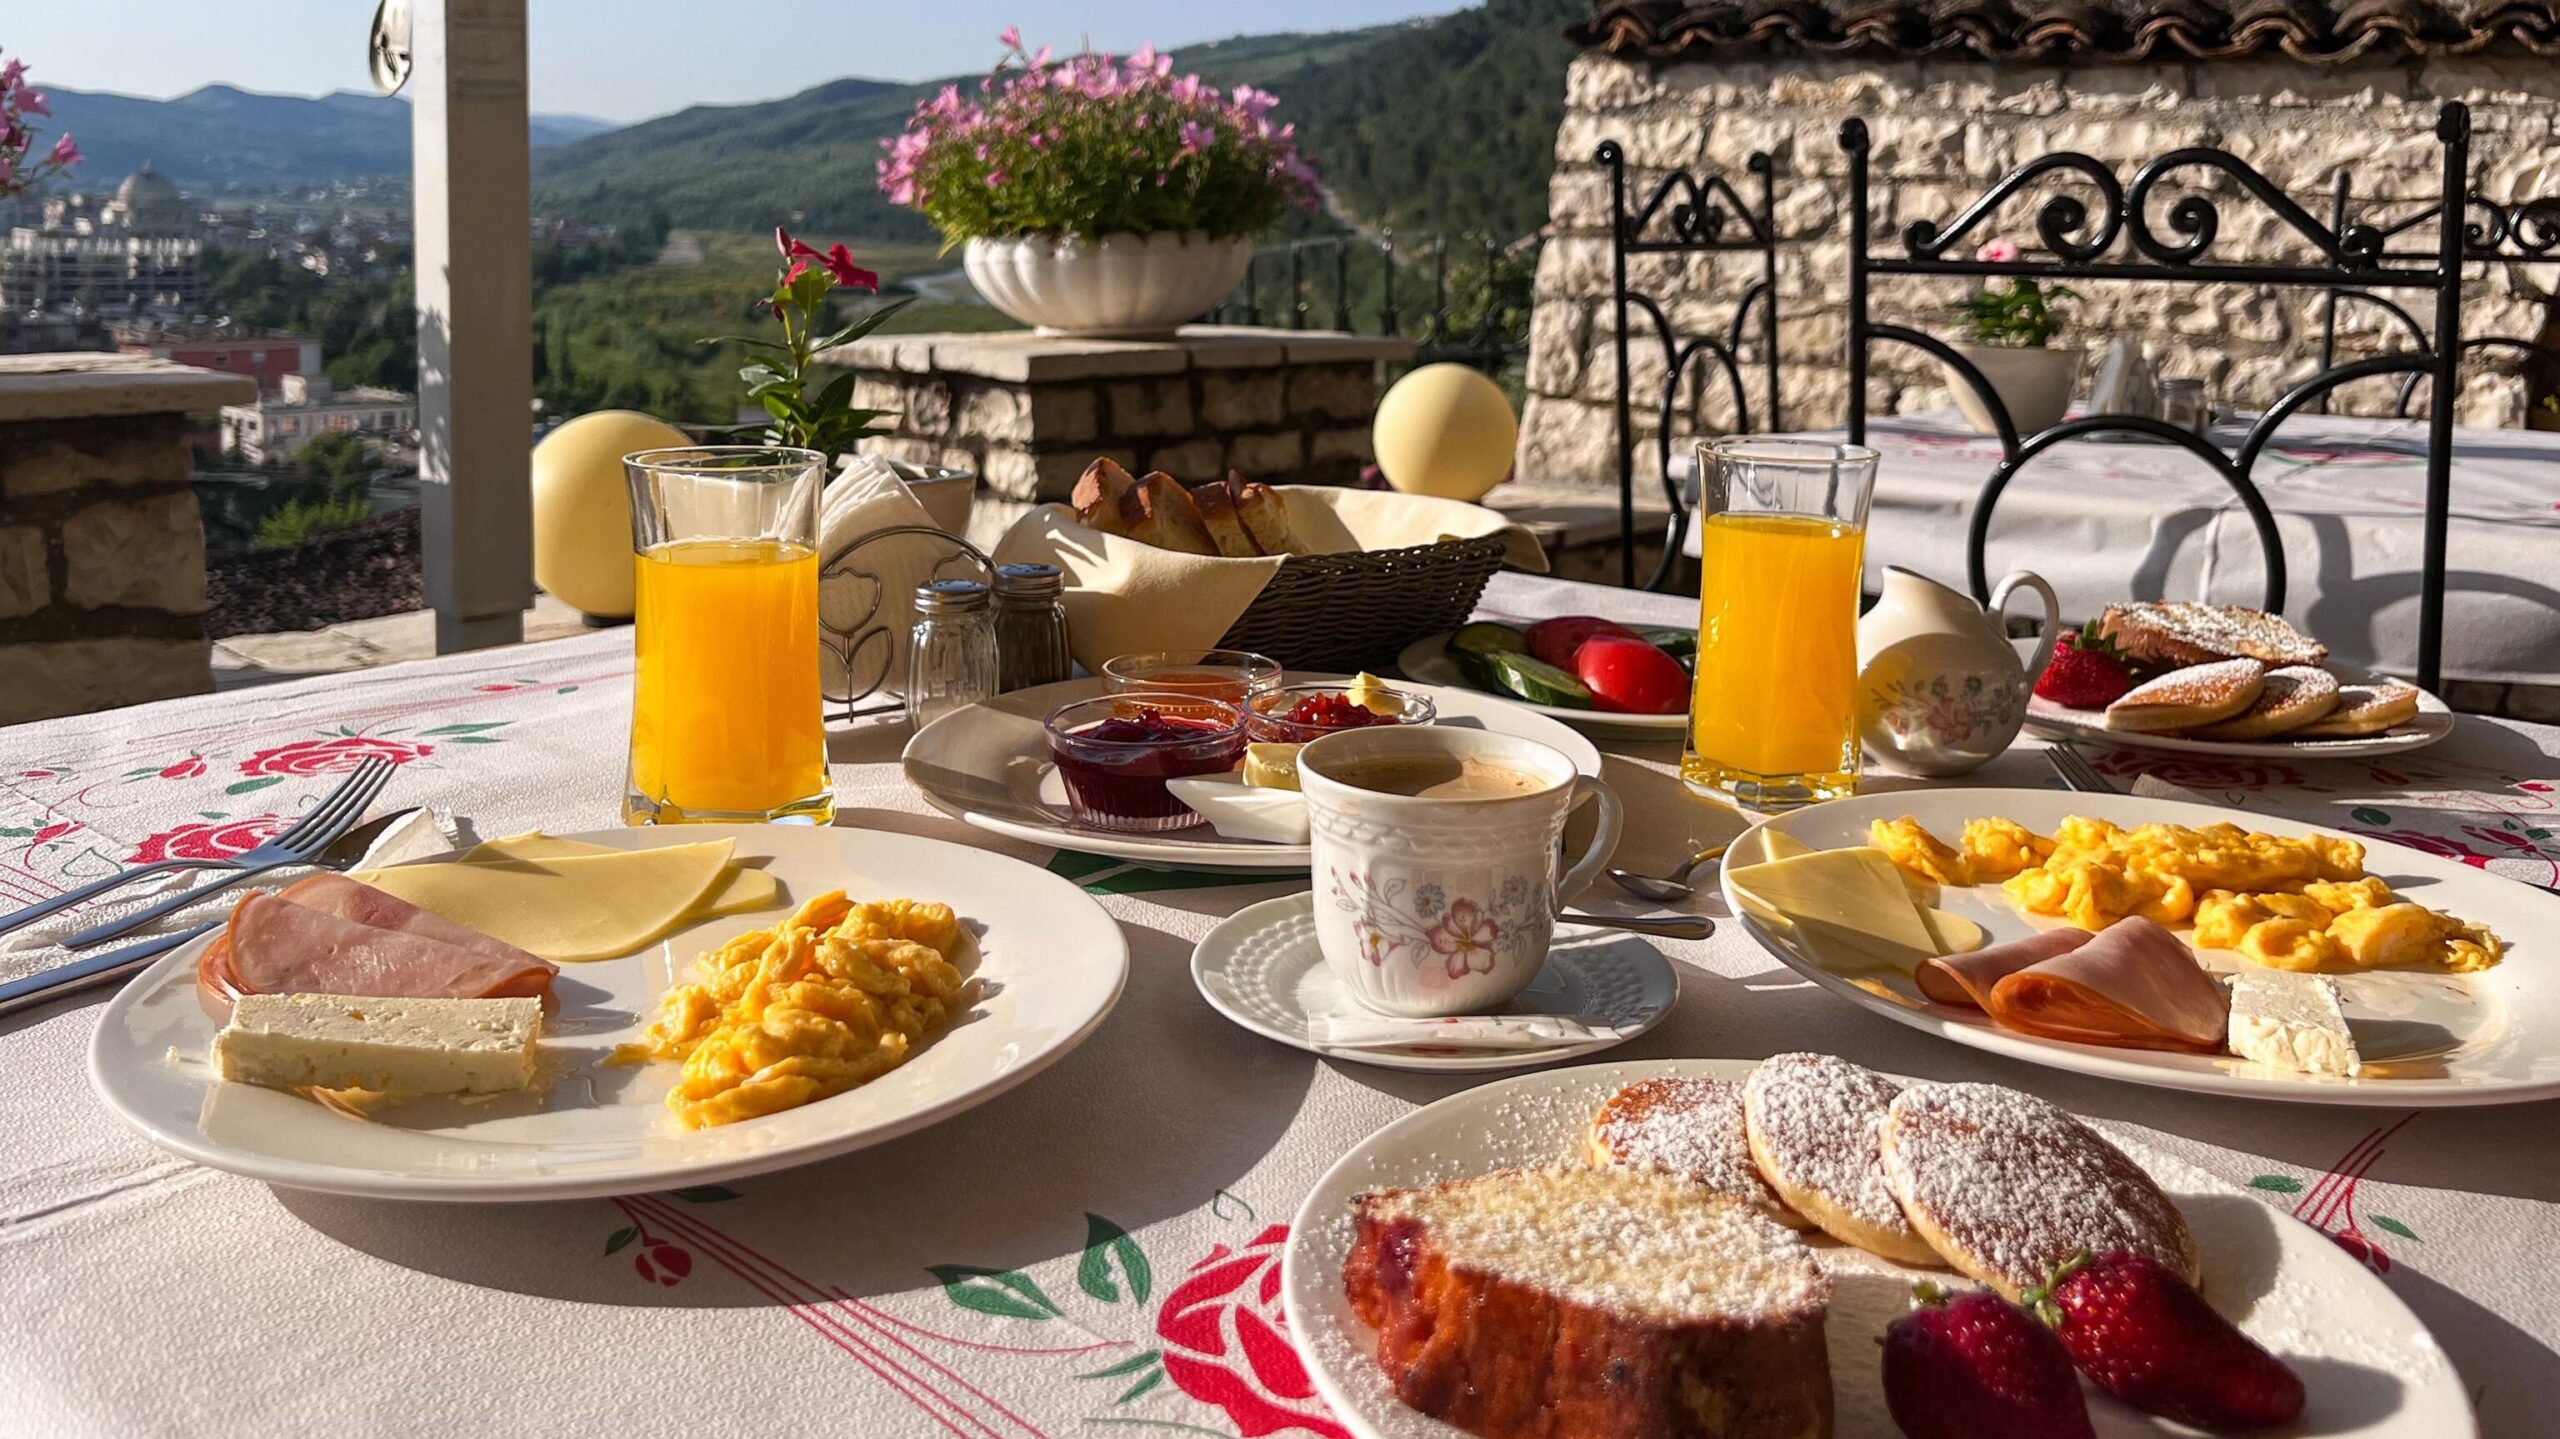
{"points": [[2147, 1337], [2086, 672], [1973, 1366]]}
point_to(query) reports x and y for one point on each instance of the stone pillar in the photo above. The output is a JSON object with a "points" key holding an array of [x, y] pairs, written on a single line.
{"points": [[1028, 412], [102, 592]]}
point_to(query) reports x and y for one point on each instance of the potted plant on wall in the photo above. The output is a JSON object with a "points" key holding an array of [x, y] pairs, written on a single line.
{"points": [[2012, 324], [1096, 195], [22, 165]]}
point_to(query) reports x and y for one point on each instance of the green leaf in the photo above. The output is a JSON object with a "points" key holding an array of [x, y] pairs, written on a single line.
{"points": [[837, 394], [749, 341], [1006, 1293], [566, 690], [1221, 1202], [621, 1237], [706, 1193], [1108, 1246], [2394, 1226], [2367, 814], [251, 786], [865, 325], [15, 833], [1129, 1365], [475, 739], [778, 406], [449, 729], [1141, 1387], [2277, 1183], [761, 373]]}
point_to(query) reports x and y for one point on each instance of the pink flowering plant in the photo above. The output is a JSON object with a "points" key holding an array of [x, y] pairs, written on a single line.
{"points": [[22, 163], [2018, 313], [809, 410], [1092, 145]]}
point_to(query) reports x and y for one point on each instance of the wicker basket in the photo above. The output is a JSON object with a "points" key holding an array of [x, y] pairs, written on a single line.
{"points": [[1348, 612]]}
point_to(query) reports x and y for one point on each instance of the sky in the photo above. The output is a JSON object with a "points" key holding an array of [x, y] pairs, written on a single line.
{"points": [[627, 59]]}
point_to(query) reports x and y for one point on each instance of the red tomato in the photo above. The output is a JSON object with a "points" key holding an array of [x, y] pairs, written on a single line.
{"points": [[1558, 640], [1627, 675]]}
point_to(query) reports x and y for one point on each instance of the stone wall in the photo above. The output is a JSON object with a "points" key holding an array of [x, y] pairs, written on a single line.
{"points": [[102, 566], [1942, 133], [1027, 413]]}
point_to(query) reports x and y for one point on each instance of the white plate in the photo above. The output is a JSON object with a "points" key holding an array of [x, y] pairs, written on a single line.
{"points": [[1050, 963], [989, 765], [2427, 1039], [2433, 722], [2374, 1371], [1427, 660], [1262, 969]]}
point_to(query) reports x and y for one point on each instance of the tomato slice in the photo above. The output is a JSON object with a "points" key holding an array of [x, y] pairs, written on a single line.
{"points": [[1625, 674], [1558, 640]]}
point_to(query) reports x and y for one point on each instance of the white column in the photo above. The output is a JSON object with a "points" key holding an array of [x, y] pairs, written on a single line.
{"points": [[475, 317]]}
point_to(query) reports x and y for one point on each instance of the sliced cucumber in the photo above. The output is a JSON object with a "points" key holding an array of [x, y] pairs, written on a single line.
{"points": [[1538, 682], [1473, 647], [1681, 645]]}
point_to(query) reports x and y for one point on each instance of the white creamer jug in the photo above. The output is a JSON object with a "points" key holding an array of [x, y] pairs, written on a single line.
{"points": [[1940, 688]]}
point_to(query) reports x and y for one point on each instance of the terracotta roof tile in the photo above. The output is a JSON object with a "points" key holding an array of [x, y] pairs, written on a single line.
{"points": [[2322, 32]]}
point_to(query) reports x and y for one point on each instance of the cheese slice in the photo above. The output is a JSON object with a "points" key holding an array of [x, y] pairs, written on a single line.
{"points": [[740, 889], [393, 1046], [1763, 844], [2290, 1021], [1954, 933], [1271, 765], [576, 907], [1841, 903]]}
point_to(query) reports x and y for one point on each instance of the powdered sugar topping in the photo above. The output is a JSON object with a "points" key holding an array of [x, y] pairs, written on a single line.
{"points": [[1817, 1124], [1691, 1127]]}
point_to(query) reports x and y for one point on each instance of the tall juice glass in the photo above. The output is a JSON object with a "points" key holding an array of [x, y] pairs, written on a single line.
{"points": [[1773, 720], [725, 713]]}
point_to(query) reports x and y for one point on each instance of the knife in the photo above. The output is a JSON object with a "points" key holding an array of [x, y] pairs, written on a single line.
{"points": [[45, 986]]}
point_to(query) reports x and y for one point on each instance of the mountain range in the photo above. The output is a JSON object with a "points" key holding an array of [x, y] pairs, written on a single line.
{"points": [[222, 137]]}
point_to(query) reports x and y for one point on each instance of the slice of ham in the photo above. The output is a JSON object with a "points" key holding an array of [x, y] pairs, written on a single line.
{"points": [[1966, 979], [353, 939], [2134, 985]]}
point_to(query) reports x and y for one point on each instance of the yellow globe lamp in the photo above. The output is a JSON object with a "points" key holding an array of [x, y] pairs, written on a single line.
{"points": [[582, 508], [1445, 430]]}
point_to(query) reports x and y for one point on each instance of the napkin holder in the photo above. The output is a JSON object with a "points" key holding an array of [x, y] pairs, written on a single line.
{"points": [[865, 642]]}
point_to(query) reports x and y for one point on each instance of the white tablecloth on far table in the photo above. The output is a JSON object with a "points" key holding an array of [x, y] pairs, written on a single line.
{"points": [[2107, 519], [972, 1280]]}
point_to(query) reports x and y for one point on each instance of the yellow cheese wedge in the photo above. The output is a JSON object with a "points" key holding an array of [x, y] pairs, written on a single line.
{"points": [[1842, 900], [1761, 845], [581, 906], [1271, 765], [1954, 933], [740, 889]]}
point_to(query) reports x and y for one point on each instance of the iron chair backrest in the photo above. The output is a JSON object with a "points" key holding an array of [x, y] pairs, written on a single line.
{"points": [[2525, 232], [2119, 241], [1686, 214]]}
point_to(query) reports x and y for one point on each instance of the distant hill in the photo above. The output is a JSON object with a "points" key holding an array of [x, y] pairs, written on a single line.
{"points": [[222, 137]]}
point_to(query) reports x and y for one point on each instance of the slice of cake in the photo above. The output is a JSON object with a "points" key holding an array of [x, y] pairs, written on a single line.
{"points": [[1592, 1304]]}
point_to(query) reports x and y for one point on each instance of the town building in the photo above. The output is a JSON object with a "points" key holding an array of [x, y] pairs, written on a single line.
{"points": [[264, 358], [137, 251], [306, 407]]}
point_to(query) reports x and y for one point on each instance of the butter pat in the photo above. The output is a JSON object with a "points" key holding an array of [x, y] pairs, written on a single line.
{"points": [[1372, 694], [2290, 1021], [1271, 765], [394, 1046]]}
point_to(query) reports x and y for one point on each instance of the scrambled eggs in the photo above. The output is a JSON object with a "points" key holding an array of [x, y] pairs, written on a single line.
{"points": [[836, 995], [2299, 904]]}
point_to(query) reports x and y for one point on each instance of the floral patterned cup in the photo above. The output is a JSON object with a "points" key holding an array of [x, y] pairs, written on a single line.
{"points": [[1429, 906]]}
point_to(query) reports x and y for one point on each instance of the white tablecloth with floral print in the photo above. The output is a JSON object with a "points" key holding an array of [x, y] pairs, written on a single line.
{"points": [[1093, 1254]]}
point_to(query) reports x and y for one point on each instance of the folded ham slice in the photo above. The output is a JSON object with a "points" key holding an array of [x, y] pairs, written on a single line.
{"points": [[1966, 979], [331, 935], [2134, 985]]}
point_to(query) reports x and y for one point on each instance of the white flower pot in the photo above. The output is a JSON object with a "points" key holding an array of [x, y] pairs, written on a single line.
{"points": [[1121, 286], [2034, 382]]}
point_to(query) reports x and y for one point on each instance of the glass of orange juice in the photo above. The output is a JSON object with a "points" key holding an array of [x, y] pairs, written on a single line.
{"points": [[1773, 719], [725, 713]]}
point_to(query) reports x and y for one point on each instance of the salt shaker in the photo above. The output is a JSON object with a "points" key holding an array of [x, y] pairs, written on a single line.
{"points": [[951, 653], [1031, 627], [2182, 404]]}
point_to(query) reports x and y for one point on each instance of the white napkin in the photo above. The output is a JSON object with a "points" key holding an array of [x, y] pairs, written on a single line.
{"points": [[1461, 1031], [38, 946], [873, 589]]}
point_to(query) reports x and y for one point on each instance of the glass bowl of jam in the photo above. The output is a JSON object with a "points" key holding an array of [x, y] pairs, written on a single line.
{"points": [[1114, 754], [1233, 676], [1296, 714]]}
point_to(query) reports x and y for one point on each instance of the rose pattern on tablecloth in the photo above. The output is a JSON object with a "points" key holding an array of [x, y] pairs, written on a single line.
{"points": [[2329, 1203], [2204, 772], [331, 756], [207, 839], [1226, 1342]]}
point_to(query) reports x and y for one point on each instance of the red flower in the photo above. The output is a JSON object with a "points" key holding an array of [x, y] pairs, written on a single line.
{"points": [[1226, 1343], [52, 832], [188, 768], [837, 259], [331, 756], [663, 1263], [219, 840]]}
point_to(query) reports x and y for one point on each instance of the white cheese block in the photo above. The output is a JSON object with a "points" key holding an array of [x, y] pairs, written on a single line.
{"points": [[2286, 1020], [395, 1046]]}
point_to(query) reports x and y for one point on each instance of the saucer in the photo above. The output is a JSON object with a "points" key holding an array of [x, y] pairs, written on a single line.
{"points": [[1262, 969]]}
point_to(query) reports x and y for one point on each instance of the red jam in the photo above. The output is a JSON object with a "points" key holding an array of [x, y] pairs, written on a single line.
{"points": [[1333, 712], [1115, 769]]}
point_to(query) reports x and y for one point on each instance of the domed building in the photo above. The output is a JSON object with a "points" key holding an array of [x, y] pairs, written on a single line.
{"points": [[132, 253], [148, 203]]}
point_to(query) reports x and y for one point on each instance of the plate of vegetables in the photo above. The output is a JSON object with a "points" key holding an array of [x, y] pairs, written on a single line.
{"points": [[1581, 669]]}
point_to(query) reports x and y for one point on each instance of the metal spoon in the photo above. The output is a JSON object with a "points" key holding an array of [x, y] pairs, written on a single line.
{"points": [[1673, 886], [1678, 926]]}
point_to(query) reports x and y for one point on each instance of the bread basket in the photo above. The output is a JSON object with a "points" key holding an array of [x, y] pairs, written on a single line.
{"points": [[1357, 610]]}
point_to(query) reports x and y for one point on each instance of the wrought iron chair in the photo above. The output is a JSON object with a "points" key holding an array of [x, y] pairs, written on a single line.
{"points": [[1686, 214], [2526, 232], [2117, 240]]}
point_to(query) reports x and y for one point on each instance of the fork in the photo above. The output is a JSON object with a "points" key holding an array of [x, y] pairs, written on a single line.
{"points": [[2075, 771], [307, 836], [341, 848]]}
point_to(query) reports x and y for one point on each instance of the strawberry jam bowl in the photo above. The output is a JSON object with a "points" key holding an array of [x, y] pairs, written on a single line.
{"points": [[1115, 753], [1297, 714]]}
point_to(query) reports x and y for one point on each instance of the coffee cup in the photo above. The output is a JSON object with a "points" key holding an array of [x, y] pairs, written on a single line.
{"points": [[1436, 861]]}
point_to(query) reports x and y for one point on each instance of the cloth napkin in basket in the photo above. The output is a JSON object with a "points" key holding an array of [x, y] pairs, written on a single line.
{"points": [[872, 592], [1127, 597]]}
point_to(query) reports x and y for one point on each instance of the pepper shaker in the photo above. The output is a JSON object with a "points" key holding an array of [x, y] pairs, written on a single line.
{"points": [[1031, 627], [951, 653]]}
